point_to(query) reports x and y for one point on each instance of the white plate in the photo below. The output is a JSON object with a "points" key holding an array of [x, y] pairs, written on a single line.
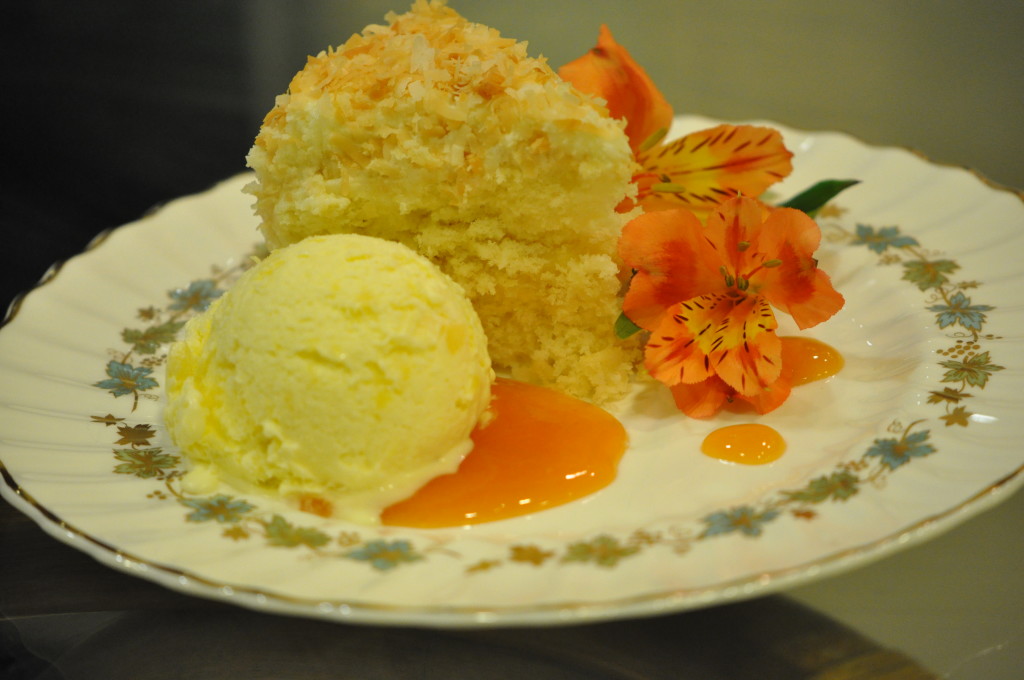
{"points": [[921, 429]]}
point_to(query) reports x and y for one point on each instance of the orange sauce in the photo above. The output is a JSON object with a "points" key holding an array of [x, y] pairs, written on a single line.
{"points": [[809, 359], [804, 360], [541, 449], [747, 444]]}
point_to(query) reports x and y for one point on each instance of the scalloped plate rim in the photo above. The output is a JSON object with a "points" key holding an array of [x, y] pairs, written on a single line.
{"points": [[675, 599]]}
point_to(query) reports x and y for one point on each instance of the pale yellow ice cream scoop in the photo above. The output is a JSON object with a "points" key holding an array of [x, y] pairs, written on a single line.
{"points": [[343, 368]]}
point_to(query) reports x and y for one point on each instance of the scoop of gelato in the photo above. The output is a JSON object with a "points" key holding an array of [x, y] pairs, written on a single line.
{"points": [[340, 373]]}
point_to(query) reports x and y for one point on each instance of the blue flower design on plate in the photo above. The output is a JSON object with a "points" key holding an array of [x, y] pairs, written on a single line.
{"points": [[197, 296], [383, 555], [882, 239], [896, 452], [743, 519], [220, 508], [126, 379], [959, 310]]}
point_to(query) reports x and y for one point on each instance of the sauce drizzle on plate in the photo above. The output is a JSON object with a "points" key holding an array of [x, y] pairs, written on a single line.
{"points": [[542, 449], [805, 360]]}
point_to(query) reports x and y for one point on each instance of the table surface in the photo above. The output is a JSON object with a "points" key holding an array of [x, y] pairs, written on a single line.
{"points": [[107, 134]]}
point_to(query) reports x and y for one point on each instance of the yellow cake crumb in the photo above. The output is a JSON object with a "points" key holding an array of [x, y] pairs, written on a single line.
{"points": [[440, 134]]}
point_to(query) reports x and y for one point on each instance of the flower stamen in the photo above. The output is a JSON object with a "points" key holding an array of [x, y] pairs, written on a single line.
{"points": [[653, 140]]}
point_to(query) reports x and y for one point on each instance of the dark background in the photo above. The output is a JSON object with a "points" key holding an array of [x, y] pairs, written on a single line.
{"points": [[103, 125], [114, 106]]}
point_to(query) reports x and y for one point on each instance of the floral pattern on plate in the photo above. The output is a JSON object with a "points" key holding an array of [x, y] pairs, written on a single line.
{"points": [[969, 367], [916, 434]]}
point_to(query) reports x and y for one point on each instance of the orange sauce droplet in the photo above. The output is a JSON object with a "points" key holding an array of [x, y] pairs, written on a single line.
{"points": [[809, 359], [804, 360], [747, 444], [541, 449]]}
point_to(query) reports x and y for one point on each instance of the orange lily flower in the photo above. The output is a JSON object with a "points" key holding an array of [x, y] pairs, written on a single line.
{"points": [[608, 71], [697, 171], [706, 294]]}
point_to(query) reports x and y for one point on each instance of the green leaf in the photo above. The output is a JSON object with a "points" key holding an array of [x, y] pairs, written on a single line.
{"points": [[975, 370], [147, 341], [145, 463], [604, 550], [811, 200], [284, 534], [837, 486], [624, 328], [928, 274]]}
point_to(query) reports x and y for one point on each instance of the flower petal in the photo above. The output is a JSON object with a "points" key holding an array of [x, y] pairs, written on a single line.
{"points": [[704, 168], [748, 356], [609, 72], [818, 300], [717, 334], [796, 286], [705, 399], [771, 397], [673, 261], [701, 400], [674, 352], [734, 231]]}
